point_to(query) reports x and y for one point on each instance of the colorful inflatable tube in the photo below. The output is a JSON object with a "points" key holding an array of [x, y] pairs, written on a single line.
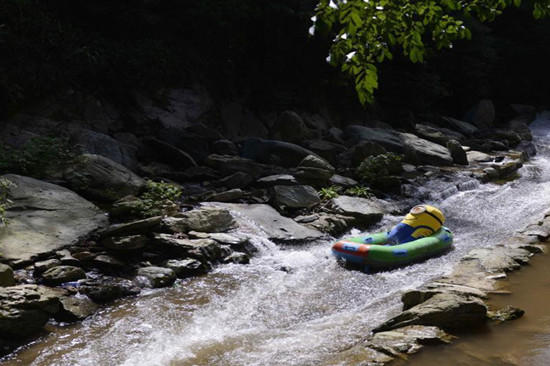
{"points": [[371, 252]]}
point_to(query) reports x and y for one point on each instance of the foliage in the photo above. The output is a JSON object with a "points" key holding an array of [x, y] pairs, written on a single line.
{"points": [[159, 198], [38, 157], [5, 186], [369, 31], [329, 193], [359, 191], [379, 165]]}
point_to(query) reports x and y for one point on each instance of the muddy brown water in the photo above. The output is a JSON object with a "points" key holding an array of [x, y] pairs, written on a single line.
{"points": [[524, 341]]}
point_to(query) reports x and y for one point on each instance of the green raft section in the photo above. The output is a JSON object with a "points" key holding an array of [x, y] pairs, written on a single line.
{"points": [[371, 251]]}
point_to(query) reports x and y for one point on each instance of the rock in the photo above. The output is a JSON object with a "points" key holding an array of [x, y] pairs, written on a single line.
{"points": [[45, 217], [457, 152], [389, 139], [408, 340], [478, 157], [284, 154], [361, 151], [499, 258], [169, 154], [335, 135], [342, 181], [124, 243], [132, 228], [155, 170], [445, 310], [211, 220], [60, 274], [75, 308], [43, 266], [367, 211], [225, 147], [506, 314], [198, 173], [462, 127], [312, 161], [204, 131], [202, 249], [359, 355], [291, 128], [293, 197], [239, 244], [25, 309], [482, 114], [528, 147], [100, 178], [228, 165], [108, 289], [325, 149], [67, 259], [274, 226], [424, 151], [186, 267], [237, 258], [6, 276], [521, 127], [97, 143], [108, 262], [507, 169], [227, 196], [158, 276], [438, 135], [236, 180], [277, 180], [125, 208], [329, 223]]}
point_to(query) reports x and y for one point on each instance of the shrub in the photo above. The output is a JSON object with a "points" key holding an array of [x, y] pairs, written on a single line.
{"points": [[359, 191], [329, 193], [158, 199], [379, 166]]}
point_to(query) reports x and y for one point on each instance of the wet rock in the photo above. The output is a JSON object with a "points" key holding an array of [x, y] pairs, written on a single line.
{"points": [[478, 157], [66, 258], [60, 274], [506, 314], [98, 177], [290, 127], [158, 276], [227, 196], [124, 243], [45, 217], [499, 258], [283, 154], [202, 249], [108, 289], [43, 266], [293, 197], [360, 355], [210, 220], [6, 275], [414, 297], [507, 169], [276, 227], [424, 151], [367, 211], [132, 228], [332, 224], [228, 165], [457, 152], [75, 308], [447, 311], [237, 258], [25, 309], [225, 147], [408, 340], [538, 231], [105, 261], [277, 180], [239, 244], [184, 268]]}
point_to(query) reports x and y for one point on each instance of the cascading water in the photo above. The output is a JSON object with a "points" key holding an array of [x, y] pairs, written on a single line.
{"points": [[292, 305]]}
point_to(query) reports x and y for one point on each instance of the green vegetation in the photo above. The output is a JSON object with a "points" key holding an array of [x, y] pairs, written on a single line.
{"points": [[5, 186], [329, 193], [369, 32], [159, 198], [379, 166], [38, 157], [359, 191]]}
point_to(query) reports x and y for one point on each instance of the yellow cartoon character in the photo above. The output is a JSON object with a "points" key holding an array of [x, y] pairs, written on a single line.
{"points": [[421, 221]]}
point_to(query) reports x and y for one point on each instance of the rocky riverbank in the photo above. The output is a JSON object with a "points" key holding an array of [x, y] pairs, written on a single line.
{"points": [[300, 180]]}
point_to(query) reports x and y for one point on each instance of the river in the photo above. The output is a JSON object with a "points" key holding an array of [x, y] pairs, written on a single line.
{"points": [[290, 305]]}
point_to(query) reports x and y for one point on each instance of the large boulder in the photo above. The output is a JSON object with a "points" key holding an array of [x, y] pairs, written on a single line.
{"points": [[482, 114], [326, 149], [108, 289], [201, 249], [76, 308], [184, 268], [45, 217], [97, 177], [457, 152], [124, 243], [295, 196], [367, 211], [389, 139], [314, 171], [228, 165], [284, 154], [210, 220], [62, 274], [424, 151], [6, 275], [439, 135], [169, 154], [445, 310], [462, 127], [272, 225], [290, 127], [158, 276]]}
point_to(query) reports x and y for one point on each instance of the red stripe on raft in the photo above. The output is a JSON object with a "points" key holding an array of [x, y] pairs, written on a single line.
{"points": [[361, 251]]}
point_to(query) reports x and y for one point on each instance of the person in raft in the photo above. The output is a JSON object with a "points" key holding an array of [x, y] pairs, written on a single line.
{"points": [[421, 221]]}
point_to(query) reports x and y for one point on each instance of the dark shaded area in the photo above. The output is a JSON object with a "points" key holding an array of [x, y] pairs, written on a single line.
{"points": [[255, 51]]}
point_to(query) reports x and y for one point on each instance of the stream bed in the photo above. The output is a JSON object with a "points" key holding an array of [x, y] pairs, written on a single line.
{"points": [[291, 305]]}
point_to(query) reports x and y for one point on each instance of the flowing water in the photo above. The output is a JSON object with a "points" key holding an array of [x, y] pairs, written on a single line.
{"points": [[291, 305]]}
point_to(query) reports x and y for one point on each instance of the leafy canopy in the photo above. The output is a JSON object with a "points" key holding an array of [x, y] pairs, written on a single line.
{"points": [[369, 31]]}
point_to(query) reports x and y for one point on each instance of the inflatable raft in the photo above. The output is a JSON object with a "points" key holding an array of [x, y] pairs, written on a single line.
{"points": [[372, 253]]}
